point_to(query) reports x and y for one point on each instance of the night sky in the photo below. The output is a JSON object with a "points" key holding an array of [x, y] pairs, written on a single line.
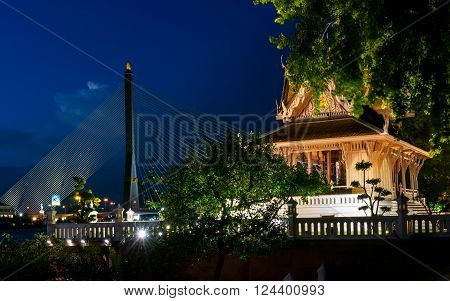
{"points": [[213, 56]]}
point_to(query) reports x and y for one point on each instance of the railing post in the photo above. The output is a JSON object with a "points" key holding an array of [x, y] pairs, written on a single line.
{"points": [[402, 214], [119, 214], [292, 216], [118, 226], [51, 221]]}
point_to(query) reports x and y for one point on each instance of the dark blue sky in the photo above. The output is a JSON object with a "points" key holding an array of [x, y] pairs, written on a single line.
{"points": [[210, 55]]}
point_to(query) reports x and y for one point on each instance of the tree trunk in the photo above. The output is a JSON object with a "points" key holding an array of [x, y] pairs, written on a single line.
{"points": [[219, 264], [246, 270]]}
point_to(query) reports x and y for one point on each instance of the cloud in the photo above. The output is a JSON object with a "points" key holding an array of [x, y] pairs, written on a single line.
{"points": [[94, 86], [74, 107]]}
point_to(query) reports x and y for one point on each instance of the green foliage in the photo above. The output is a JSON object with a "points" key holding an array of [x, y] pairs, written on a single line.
{"points": [[35, 259], [434, 179], [363, 165], [373, 194], [231, 198], [372, 50], [84, 202]]}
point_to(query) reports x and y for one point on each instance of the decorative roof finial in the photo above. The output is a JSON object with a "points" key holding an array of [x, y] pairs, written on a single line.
{"points": [[128, 66]]}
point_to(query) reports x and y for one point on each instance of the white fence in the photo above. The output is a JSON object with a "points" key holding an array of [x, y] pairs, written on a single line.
{"points": [[337, 205], [97, 231], [370, 227]]}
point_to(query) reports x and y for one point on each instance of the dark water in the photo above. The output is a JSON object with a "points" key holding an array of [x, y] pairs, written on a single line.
{"points": [[22, 234]]}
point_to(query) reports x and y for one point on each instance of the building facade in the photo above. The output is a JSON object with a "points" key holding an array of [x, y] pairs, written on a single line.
{"points": [[329, 139], [6, 211]]}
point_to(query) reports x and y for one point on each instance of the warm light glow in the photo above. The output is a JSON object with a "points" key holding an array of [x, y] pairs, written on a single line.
{"points": [[107, 242], [69, 242], [128, 66], [83, 241], [34, 218], [141, 234], [105, 200]]}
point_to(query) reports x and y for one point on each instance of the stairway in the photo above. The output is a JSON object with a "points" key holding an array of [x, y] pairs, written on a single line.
{"points": [[416, 207]]}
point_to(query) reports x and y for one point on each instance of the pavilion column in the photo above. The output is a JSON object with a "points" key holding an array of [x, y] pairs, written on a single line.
{"points": [[412, 175], [403, 167], [421, 161], [309, 159], [347, 152], [291, 158], [329, 166], [394, 172]]}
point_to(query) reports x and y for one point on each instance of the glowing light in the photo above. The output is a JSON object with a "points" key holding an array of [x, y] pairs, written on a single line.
{"points": [[83, 241], [160, 233], [141, 234], [20, 214], [107, 242], [34, 218], [168, 227], [69, 242]]}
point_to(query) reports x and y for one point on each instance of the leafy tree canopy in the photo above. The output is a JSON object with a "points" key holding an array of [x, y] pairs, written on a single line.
{"points": [[232, 195], [394, 51], [84, 202]]}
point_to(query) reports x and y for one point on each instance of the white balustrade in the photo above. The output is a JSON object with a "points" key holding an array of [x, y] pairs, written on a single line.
{"points": [[370, 227], [97, 231]]}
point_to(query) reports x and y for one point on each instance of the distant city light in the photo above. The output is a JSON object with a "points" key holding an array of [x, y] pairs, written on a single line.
{"points": [[20, 214], [141, 234]]}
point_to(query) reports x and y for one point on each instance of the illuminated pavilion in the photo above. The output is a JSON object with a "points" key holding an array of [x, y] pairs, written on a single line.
{"points": [[331, 140]]}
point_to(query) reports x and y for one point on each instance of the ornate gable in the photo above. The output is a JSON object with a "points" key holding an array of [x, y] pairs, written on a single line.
{"points": [[299, 105]]}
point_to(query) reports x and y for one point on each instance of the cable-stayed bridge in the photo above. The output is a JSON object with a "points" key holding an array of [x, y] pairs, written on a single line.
{"points": [[155, 134]]}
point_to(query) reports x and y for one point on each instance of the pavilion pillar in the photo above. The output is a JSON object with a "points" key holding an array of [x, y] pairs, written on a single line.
{"points": [[329, 166], [309, 159], [412, 175], [403, 169]]}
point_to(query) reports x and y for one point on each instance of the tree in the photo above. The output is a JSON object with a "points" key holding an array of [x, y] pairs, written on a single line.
{"points": [[394, 51], [434, 180], [84, 202], [373, 194], [230, 197]]}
